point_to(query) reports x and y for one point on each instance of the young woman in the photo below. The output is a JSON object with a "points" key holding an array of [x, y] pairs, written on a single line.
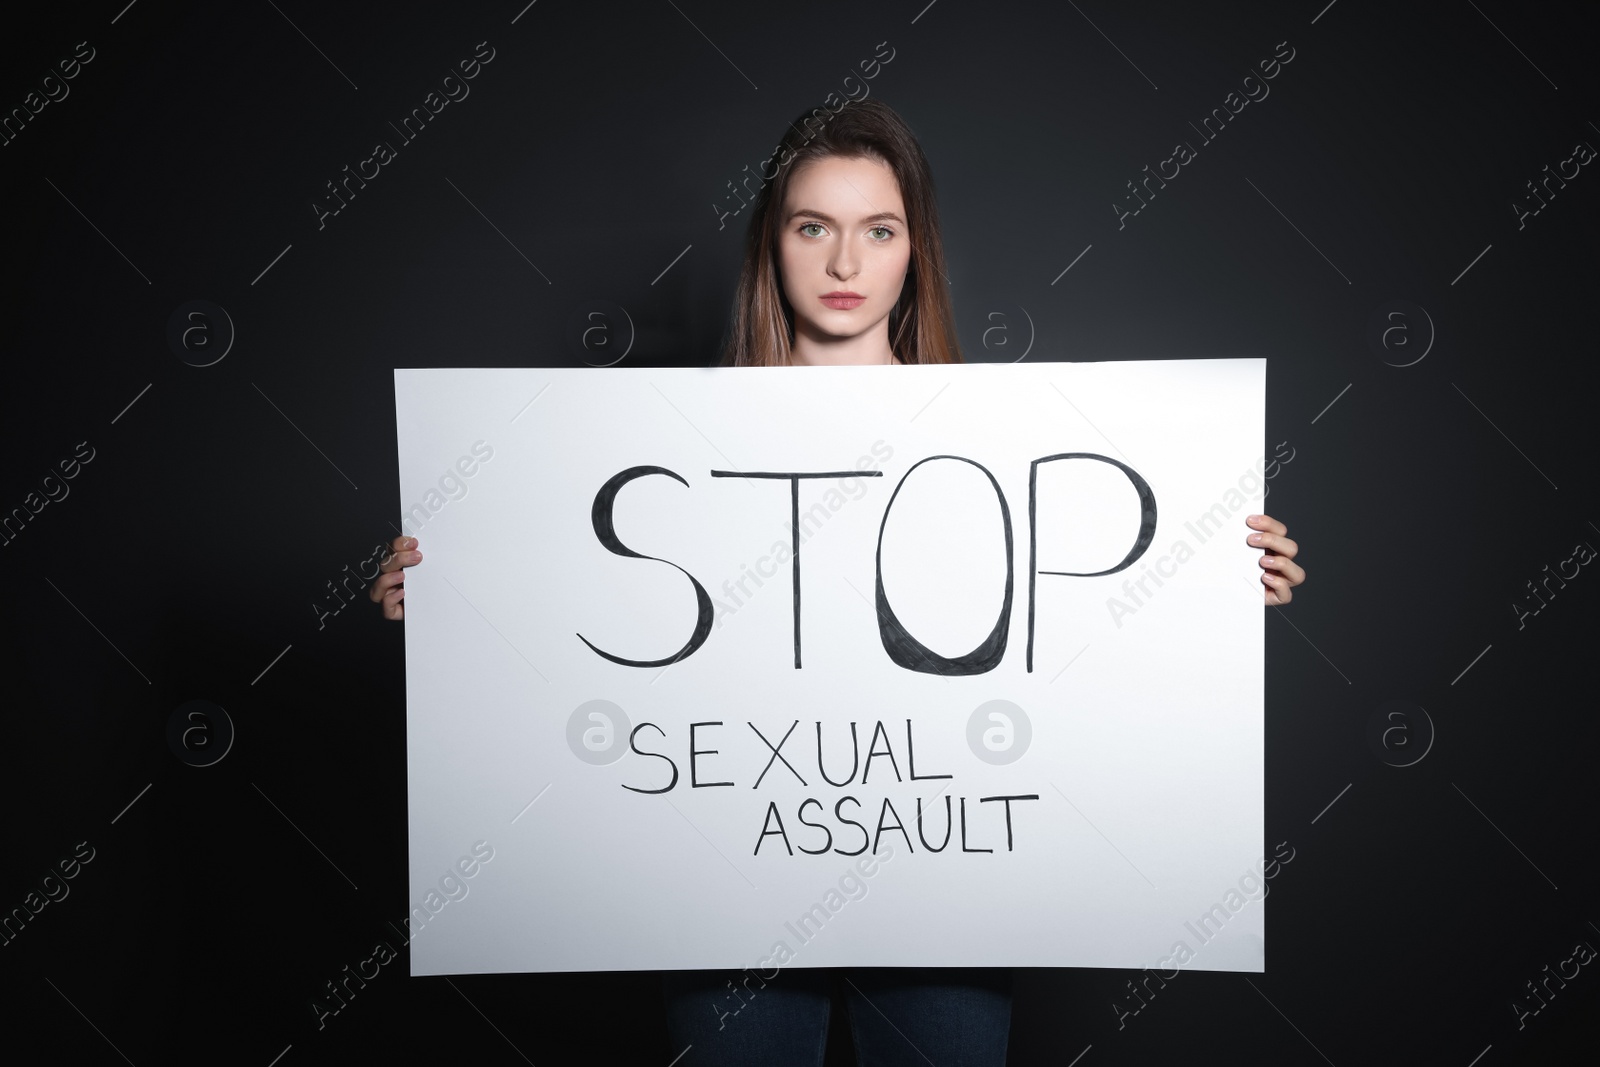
{"points": [[844, 265]]}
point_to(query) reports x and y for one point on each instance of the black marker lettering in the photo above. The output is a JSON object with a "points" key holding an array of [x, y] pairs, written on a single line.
{"points": [[866, 839], [872, 750], [776, 753], [604, 528], [855, 757], [964, 847], [1141, 543], [1008, 800], [772, 814], [911, 760], [815, 826], [693, 752], [905, 650], [883, 813], [949, 823], [793, 478], [657, 755]]}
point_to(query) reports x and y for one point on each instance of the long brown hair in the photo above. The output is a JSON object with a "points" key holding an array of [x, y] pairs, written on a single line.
{"points": [[922, 322]]}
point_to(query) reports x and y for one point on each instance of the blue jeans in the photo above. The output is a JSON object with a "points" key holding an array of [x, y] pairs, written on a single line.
{"points": [[954, 1017]]}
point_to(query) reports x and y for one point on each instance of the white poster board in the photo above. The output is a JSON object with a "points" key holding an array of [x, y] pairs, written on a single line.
{"points": [[575, 519]]}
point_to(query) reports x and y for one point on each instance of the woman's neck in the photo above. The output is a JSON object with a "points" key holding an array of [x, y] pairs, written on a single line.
{"points": [[871, 349]]}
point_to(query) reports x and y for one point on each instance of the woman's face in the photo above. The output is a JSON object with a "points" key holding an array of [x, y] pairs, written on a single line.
{"points": [[843, 253]]}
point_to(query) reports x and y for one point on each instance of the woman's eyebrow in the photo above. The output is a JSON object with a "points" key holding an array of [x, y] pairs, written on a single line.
{"points": [[882, 216]]}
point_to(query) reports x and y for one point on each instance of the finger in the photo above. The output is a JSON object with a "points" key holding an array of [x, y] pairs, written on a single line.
{"points": [[1277, 543], [1277, 588], [1290, 570], [383, 584], [1266, 524], [394, 603], [404, 554], [397, 548]]}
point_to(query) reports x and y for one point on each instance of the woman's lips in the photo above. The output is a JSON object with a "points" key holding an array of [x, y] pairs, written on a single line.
{"points": [[843, 301]]}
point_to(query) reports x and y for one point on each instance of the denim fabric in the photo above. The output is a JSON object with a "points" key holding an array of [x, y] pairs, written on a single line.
{"points": [[899, 1017]]}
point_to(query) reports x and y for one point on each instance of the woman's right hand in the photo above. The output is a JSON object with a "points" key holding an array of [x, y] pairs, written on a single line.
{"points": [[389, 590]]}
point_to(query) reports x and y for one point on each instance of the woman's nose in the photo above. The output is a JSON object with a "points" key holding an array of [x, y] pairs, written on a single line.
{"points": [[843, 264]]}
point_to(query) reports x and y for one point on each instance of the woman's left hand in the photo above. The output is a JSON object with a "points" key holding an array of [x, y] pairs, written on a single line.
{"points": [[1279, 572]]}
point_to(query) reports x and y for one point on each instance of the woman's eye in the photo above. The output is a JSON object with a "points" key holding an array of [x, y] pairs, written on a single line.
{"points": [[811, 229], [881, 233]]}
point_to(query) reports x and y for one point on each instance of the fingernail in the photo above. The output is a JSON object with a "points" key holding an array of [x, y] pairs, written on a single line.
{"points": [[1254, 539], [1269, 560], [1253, 519]]}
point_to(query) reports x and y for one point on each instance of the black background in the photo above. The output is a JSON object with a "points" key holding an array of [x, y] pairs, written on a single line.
{"points": [[184, 563]]}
